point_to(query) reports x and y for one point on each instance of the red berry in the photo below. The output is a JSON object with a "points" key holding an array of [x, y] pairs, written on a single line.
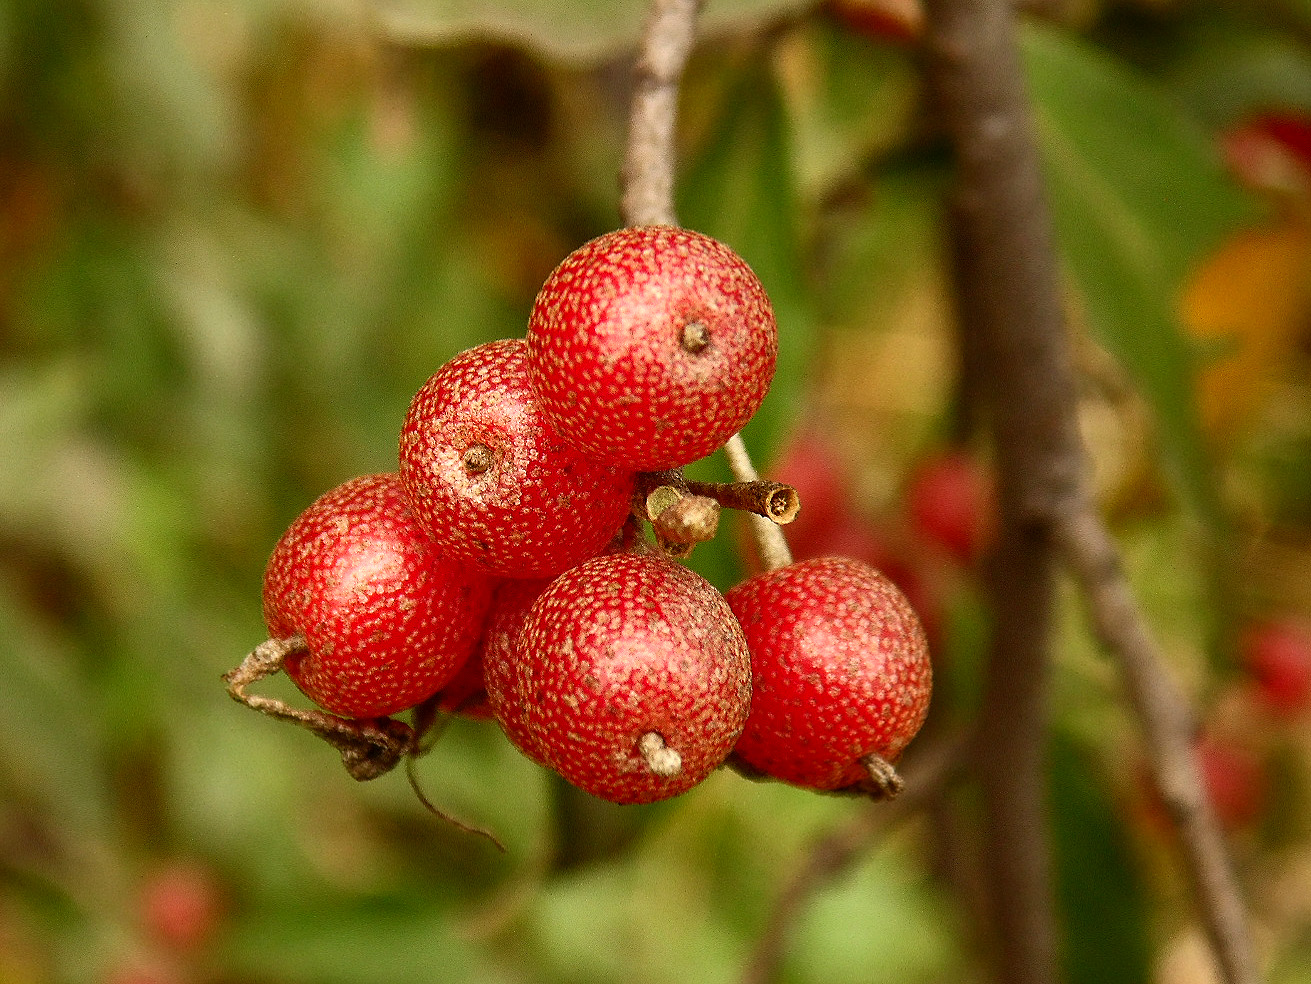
{"points": [[1234, 779], [629, 676], [950, 503], [1271, 150], [1278, 655], [651, 346], [841, 671], [879, 20], [387, 619], [814, 467], [510, 606], [181, 904], [466, 694], [492, 483]]}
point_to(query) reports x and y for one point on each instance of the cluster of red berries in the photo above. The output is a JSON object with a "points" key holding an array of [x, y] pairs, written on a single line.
{"points": [[491, 573]]}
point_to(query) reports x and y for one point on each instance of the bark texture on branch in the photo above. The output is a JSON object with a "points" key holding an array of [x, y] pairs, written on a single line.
{"points": [[1008, 279], [1015, 331], [1169, 730], [647, 195]]}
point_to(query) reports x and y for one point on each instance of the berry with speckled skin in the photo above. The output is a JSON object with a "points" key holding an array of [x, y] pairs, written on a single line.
{"points": [[620, 648], [840, 667], [465, 694], [651, 346], [490, 481], [510, 604], [387, 619]]}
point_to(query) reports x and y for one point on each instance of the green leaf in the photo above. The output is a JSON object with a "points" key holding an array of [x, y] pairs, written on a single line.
{"points": [[1098, 887], [1137, 195], [849, 101], [569, 30]]}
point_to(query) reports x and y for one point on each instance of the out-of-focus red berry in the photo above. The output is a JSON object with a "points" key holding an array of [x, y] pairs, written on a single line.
{"points": [[950, 500], [879, 20], [1271, 150], [181, 904], [1278, 656], [1235, 781]]}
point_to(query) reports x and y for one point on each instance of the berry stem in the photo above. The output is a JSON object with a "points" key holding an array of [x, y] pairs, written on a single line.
{"points": [[369, 748], [775, 501], [884, 780], [771, 544], [441, 814], [659, 757]]}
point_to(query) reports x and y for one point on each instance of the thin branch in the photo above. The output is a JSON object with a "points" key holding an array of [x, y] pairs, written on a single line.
{"points": [[775, 501], [647, 195], [930, 769], [369, 747], [648, 175], [1169, 730]]}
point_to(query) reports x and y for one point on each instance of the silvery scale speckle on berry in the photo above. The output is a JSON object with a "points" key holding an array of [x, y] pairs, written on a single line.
{"points": [[621, 647], [840, 667]]}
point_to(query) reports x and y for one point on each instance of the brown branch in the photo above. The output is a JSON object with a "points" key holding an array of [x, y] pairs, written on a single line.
{"points": [[1169, 730], [929, 770], [1009, 286], [775, 501], [771, 543], [647, 180], [1010, 297]]}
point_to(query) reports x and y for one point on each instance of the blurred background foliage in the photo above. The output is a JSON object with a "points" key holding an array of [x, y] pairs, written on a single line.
{"points": [[236, 238]]}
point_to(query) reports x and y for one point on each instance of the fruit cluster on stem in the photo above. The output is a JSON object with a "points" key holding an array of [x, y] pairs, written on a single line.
{"points": [[503, 570]]}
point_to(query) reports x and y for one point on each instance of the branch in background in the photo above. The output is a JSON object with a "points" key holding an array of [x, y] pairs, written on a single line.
{"points": [[1168, 730], [1010, 301], [928, 771], [1010, 297]]}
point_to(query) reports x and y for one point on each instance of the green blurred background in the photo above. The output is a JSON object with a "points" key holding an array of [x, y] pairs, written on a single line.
{"points": [[236, 238]]}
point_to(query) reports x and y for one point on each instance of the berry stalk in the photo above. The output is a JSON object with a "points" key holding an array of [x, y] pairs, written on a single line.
{"points": [[369, 747], [771, 543]]}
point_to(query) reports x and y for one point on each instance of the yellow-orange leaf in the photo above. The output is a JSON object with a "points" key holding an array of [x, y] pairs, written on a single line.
{"points": [[1248, 302]]}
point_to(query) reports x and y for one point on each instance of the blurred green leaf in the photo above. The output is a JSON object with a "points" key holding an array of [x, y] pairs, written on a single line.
{"points": [[881, 924], [848, 101], [1138, 195], [377, 942], [1223, 65], [1101, 895], [50, 726], [571, 30]]}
